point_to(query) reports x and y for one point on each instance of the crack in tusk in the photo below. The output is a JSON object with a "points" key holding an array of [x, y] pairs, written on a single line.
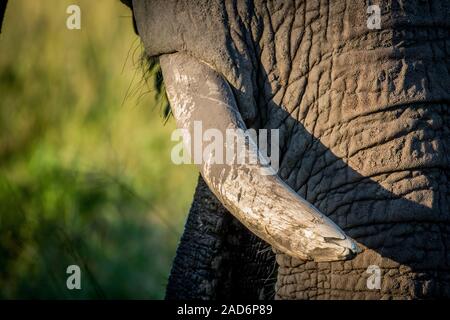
{"points": [[263, 203]]}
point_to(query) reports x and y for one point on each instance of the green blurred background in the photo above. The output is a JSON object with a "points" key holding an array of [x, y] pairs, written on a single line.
{"points": [[85, 170]]}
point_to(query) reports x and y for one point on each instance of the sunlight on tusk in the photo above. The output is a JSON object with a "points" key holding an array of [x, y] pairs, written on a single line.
{"points": [[253, 193]]}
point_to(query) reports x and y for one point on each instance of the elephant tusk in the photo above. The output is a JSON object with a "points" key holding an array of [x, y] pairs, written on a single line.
{"points": [[253, 193]]}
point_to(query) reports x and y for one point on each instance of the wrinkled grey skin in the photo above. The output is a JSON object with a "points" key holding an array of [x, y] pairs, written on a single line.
{"points": [[363, 118]]}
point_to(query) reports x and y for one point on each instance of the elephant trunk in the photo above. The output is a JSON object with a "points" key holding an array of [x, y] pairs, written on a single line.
{"points": [[251, 191]]}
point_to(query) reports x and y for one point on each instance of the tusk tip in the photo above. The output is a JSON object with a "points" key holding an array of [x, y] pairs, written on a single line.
{"points": [[333, 244], [335, 250], [348, 246]]}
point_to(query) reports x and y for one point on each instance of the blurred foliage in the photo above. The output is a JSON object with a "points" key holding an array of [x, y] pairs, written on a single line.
{"points": [[85, 170]]}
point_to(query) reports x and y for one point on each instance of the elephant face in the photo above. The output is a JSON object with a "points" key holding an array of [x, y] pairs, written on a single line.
{"points": [[364, 136]]}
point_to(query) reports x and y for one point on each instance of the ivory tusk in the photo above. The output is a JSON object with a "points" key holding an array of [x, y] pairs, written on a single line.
{"points": [[255, 196]]}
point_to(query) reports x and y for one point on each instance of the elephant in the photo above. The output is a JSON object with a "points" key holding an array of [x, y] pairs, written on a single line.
{"points": [[359, 206]]}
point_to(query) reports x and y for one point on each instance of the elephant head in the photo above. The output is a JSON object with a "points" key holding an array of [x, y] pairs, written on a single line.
{"points": [[362, 112]]}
